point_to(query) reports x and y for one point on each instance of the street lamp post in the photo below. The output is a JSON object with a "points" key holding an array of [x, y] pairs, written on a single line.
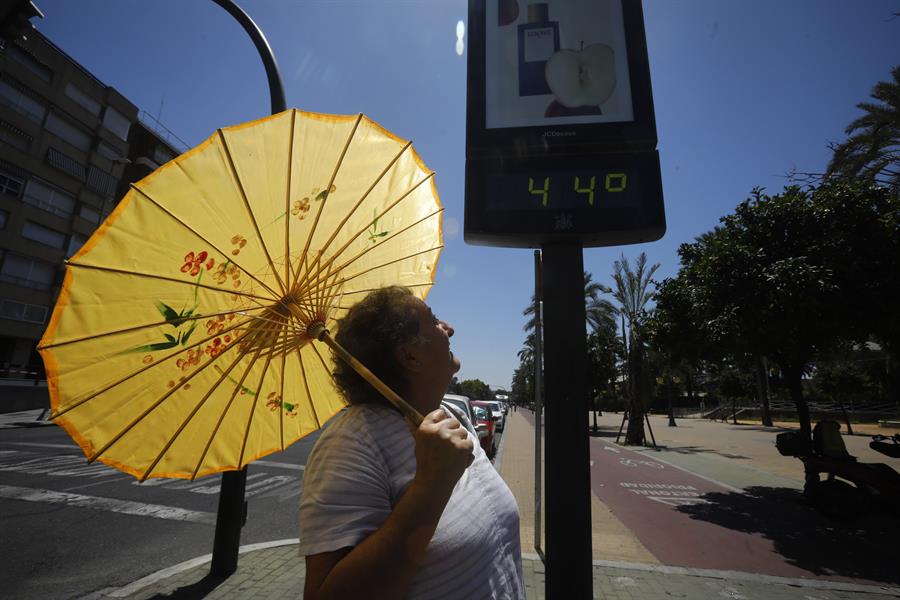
{"points": [[232, 512]]}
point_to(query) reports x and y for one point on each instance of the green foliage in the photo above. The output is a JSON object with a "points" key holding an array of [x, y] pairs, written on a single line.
{"points": [[603, 346], [872, 152], [788, 274], [599, 312], [475, 389]]}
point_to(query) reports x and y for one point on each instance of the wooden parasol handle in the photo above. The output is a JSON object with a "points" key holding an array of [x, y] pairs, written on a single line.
{"points": [[319, 332]]}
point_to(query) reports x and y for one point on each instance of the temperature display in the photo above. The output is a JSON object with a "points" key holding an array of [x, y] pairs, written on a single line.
{"points": [[576, 190]]}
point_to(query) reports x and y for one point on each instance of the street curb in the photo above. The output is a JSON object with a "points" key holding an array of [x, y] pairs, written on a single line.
{"points": [[498, 458], [136, 586], [820, 584]]}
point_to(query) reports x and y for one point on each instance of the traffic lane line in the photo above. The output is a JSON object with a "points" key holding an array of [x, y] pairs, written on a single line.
{"points": [[645, 495], [127, 507]]}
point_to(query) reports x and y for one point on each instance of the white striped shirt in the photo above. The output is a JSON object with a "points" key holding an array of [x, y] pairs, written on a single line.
{"points": [[358, 471]]}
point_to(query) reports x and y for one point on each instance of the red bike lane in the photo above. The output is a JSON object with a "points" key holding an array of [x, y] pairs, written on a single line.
{"points": [[645, 495]]}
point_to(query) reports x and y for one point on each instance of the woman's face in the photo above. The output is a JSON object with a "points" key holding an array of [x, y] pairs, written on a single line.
{"points": [[433, 349]]}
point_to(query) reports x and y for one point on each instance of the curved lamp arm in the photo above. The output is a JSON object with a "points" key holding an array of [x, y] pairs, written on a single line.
{"points": [[276, 88]]}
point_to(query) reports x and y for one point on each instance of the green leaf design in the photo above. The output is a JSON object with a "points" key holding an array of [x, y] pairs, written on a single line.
{"points": [[374, 234], [323, 195], [152, 347], [244, 388], [171, 338], [167, 312], [288, 406], [187, 334]]}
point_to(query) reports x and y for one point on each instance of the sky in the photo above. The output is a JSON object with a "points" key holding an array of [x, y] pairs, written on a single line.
{"points": [[744, 92]]}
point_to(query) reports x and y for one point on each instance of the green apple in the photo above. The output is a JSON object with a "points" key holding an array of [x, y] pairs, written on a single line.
{"points": [[582, 78]]}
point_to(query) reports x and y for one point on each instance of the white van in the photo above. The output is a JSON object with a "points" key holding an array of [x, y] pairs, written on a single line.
{"points": [[463, 403]]}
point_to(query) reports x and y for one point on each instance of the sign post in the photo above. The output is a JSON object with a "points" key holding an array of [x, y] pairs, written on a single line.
{"points": [[561, 155]]}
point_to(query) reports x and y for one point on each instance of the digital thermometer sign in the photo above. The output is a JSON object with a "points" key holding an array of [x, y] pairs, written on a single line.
{"points": [[574, 190], [602, 200], [560, 128]]}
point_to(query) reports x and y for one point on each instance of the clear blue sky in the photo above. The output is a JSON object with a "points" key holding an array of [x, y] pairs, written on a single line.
{"points": [[744, 91]]}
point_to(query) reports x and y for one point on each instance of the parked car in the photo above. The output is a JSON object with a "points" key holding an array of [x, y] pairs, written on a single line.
{"points": [[462, 403], [497, 411], [485, 425]]}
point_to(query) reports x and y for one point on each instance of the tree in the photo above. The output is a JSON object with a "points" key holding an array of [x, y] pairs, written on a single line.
{"points": [[599, 312], [602, 345], [523, 384], [678, 332], [789, 275], [476, 389], [872, 152], [633, 294]]}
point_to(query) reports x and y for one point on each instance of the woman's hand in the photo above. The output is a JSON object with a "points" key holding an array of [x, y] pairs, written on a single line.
{"points": [[443, 451]]}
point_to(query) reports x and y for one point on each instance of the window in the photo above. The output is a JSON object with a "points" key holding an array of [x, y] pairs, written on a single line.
{"points": [[49, 198], [26, 272], [116, 123], [9, 185], [43, 235], [19, 311], [17, 97], [75, 244], [29, 61], [89, 214], [85, 101], [15, 137], [65, 130]]}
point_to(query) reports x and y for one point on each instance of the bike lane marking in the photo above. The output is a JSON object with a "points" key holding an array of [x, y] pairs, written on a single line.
{"points": [[645, 494]]}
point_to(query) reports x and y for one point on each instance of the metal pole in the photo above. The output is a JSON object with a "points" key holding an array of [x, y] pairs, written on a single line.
{"points": [[538, 399], [569, 572], [671, 391], [232, 507]]}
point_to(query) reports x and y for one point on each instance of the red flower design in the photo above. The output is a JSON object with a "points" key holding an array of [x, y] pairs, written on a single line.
{"points": [[193, 262]]}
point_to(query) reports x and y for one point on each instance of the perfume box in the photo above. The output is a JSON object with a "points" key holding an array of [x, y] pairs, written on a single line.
{"points": [[538, 41]]}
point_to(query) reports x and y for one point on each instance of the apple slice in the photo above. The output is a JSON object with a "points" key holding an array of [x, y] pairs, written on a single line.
{"points": [[582, 78]]}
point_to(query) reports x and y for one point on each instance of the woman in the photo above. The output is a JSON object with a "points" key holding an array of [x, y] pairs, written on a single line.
{"points": [[393, 511]]}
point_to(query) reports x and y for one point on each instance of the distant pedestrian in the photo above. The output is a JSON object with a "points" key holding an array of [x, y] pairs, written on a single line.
{"points": [[411, 513]]}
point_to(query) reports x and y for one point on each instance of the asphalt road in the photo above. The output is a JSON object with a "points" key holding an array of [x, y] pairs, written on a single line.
{"points": [[70, 529]]}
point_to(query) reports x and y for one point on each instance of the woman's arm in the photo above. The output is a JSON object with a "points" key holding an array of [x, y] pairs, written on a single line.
{"points": [[383, 565]]}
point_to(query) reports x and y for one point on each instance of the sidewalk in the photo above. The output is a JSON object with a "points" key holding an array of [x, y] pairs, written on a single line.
{"points": [[623, 568], [276, 573]]}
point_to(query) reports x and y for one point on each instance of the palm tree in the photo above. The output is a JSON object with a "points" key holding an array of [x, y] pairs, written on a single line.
{"points": [[599, 312], [873, 149], [633, 294], [526, 354]]}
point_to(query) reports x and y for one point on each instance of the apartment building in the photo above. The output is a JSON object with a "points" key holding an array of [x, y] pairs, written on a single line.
{"points": [[69, 146]]}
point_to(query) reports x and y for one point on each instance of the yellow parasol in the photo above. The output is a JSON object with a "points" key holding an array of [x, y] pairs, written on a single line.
{"points": [[182, 340]]}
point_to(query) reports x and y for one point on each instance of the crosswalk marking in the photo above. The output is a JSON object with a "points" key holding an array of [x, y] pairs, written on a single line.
{"points": [[127, 507]]}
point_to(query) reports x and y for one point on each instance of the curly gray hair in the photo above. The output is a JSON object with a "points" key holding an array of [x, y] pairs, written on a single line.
{"points": [[370, 331]]}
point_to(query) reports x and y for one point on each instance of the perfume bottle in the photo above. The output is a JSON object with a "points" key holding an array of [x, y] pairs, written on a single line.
{"points": [[538, 41]]}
